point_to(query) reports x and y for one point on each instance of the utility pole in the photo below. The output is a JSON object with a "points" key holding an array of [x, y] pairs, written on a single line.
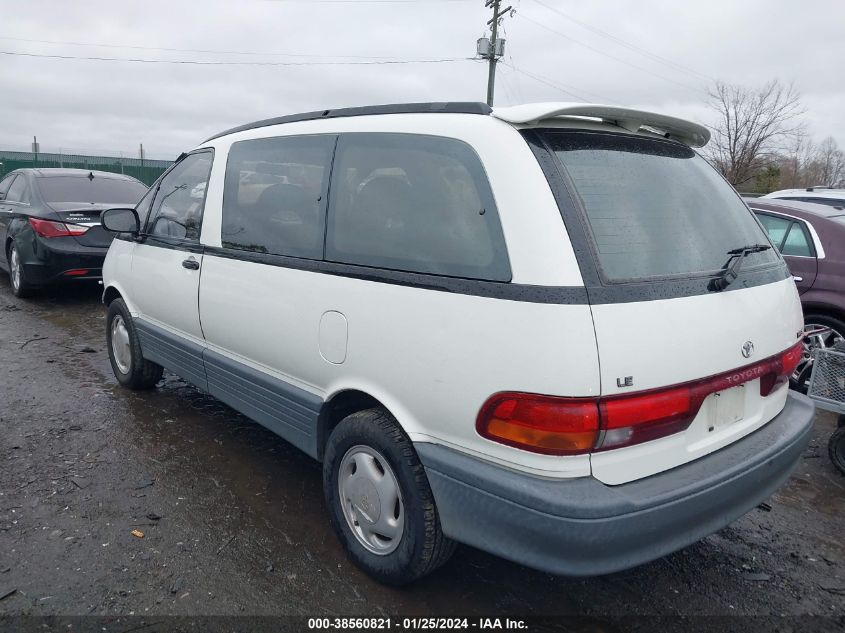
{"points": [[492, 49]]}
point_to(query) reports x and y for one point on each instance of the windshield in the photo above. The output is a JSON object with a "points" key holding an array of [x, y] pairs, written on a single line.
{"points": [[655, 208], [93, 190]]}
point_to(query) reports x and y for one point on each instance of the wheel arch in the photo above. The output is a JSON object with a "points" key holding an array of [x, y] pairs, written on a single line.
{"points": [[116, 291], [824, 309], [348, 400]]}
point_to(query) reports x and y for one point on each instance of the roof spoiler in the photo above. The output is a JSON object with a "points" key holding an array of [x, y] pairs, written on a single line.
{"points": [[687, 132]]}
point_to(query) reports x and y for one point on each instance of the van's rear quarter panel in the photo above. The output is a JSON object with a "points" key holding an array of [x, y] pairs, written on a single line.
{"points": [[431, 357]]}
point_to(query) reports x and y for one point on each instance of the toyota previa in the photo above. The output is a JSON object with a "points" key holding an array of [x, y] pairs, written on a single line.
{"points": [[550, 331]]}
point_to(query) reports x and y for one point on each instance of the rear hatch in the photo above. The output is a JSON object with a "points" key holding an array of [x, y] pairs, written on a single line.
{"points": [[78, 198], [693, 332]]}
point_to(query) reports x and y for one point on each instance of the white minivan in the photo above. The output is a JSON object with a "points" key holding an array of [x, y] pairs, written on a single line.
{"points": [[549, 331]]}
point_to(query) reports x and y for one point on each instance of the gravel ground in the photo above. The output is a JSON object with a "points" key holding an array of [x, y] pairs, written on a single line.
{"points": [[233, 522]]}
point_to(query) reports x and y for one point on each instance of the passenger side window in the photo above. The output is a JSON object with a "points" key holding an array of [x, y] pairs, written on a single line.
{"points": [[19, 191], [796, 243], [414, 203], [275, 195], [177, 209]]}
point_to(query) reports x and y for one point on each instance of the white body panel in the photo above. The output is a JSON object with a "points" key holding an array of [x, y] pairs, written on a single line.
{"points": [[431, 357], [164, 292]]}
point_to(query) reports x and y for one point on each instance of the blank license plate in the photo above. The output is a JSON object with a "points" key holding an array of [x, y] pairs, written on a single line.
{"points": [[729, 407]]}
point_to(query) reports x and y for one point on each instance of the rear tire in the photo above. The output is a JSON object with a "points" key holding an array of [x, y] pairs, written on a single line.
{"points": [[412, 543], [130, 367], [17, 276]]}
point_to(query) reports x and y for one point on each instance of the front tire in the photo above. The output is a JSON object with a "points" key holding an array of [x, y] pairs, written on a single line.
{"points": [[17, 277], [379, 500], [130, 367]]}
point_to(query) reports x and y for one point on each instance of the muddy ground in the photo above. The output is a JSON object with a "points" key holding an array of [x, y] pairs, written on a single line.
{"points": [[233, 520]]}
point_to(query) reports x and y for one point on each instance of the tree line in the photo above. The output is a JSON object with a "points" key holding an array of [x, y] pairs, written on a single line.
{"points": [[760, 142]]}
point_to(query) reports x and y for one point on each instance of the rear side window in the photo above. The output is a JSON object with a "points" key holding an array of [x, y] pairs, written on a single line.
{"points": [[414, 203], [655, 208], [4, 185], [274, 195], [19, 191], [99, 190], [178, 205], [789, 236], [775, 227], [796, 242]]}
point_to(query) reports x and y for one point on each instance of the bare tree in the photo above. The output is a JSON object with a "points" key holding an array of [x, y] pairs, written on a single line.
{"points": [[752, 125], [795, 161], [828, 164]]}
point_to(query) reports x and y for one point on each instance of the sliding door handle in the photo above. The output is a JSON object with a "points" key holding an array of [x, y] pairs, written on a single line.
{"points": [[190, 264]]}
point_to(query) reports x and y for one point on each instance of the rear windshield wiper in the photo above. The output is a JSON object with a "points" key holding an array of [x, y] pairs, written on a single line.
{"points": [[730, 270]]}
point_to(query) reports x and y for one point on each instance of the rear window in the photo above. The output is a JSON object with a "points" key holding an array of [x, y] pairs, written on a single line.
{"points": [[98, 190], [655, 208]]}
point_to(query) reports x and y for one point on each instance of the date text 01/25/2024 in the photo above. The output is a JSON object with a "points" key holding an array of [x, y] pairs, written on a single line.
{"points": [[416, 624]]}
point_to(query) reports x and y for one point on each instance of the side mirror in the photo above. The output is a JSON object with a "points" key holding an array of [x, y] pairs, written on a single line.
{"points": [[121, 220], [2, 196]]}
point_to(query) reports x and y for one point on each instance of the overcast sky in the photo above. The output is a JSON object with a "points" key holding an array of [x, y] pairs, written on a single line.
{"points": [[658, 55]]}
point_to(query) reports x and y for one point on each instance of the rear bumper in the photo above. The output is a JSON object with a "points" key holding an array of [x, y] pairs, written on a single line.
{"points": [[582, 527], [46, 261]]}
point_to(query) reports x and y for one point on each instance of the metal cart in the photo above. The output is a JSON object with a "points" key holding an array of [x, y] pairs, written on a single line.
{"points": [[827, 388]]}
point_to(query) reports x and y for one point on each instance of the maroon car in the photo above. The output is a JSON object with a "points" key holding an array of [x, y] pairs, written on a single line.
{"points": [[811, 238]]}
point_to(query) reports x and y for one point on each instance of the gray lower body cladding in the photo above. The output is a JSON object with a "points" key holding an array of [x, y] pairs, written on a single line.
{"points": [[285, 409], [582, 527]]}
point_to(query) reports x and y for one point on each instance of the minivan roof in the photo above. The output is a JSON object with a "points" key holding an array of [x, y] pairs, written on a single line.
{"points": [[687, 132], [459, 107]]}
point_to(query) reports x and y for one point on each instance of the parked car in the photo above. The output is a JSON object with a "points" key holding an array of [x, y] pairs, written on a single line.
{"points": [[820, 195], [811, 238], [50, 224], [551, 331]]}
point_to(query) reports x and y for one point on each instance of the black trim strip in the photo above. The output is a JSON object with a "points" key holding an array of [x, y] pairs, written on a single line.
{"points": [[574, 295], [452, 107]]}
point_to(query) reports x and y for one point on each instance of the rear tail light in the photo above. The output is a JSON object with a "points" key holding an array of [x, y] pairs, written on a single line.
{"points": [[574, 426], [49, 228], [542, 424], [76, 272]]}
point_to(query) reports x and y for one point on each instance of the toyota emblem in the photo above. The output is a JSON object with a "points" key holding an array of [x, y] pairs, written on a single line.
{"points": [[747, 349]]}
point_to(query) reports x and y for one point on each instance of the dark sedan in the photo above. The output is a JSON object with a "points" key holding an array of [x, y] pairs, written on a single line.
{"points": [[50, 224], [811, 238]]}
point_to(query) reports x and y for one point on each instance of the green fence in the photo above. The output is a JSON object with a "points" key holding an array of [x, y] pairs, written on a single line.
{"points": [[144, 170]]}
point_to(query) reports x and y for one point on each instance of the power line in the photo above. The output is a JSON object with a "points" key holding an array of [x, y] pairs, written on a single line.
{"points": [[619, 40], [566, 89], [601, 52], [193, 50], [245, 63]]}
